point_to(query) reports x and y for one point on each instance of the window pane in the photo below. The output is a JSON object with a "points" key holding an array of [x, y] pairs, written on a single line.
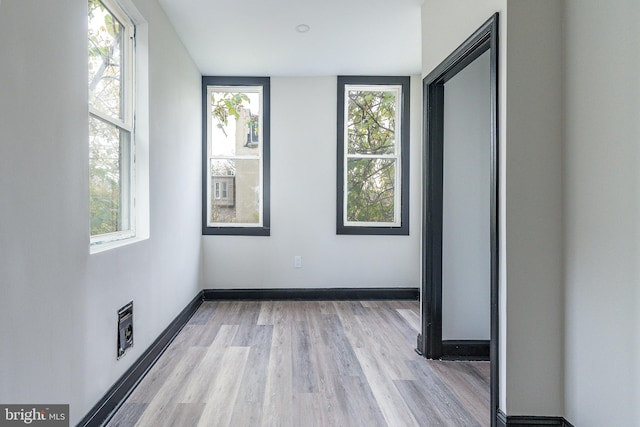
{"points": [[239, 200], [109, 174], [371, 122], [235, 124], [370, 190], [106, 35]]}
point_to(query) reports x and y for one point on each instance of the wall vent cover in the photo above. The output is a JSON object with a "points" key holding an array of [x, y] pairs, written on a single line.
{"points": [[125, 329]]}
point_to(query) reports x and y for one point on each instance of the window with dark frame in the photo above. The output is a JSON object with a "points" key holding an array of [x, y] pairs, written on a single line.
{"points": [[236, 155], [373, 155]]}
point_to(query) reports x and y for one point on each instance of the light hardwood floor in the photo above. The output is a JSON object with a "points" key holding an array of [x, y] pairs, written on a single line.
{"points": [[294, 363]]}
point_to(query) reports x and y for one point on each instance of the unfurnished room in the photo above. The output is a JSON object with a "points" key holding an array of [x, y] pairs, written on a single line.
{"points": [[320, 213]]}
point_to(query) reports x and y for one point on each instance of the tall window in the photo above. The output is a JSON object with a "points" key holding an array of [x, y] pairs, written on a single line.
{"points": [[111, 122], [236, 164], [373, 155]]}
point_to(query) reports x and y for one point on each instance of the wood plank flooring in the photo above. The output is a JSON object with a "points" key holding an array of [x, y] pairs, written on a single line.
{"points": [[295, 363]]}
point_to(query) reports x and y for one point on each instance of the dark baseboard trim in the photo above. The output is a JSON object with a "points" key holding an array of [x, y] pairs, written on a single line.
{"points": [[106, 407], [529, 421], [102, 412], [324, 294], [465, 350]]}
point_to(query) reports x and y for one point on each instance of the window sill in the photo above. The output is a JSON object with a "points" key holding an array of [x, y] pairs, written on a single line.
{"points": [[98, 247], [236, 231], [373, 231]]}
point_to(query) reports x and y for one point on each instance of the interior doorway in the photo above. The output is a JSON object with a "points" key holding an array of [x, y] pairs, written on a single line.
{"points": [[460, 206]]}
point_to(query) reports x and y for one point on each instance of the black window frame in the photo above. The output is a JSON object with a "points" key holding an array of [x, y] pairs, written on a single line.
{"points": [[264, 82], [403, 228]]}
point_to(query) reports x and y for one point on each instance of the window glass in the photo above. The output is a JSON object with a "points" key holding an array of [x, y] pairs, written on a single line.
{"points": [[109, 186], [371, 190], [106, 59], [371, 120]]}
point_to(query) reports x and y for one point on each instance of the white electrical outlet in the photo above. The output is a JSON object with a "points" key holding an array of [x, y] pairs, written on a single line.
{"points": [[297, 261]]}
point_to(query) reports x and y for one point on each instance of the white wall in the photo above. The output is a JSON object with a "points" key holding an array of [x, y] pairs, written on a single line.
{"points": [[448, 23], [531, 272], [602, 137], [303, 207], [58, 304], [466, 222]]}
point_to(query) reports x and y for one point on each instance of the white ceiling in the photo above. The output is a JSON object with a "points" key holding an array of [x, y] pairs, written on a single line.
{"points": [[258, 37]]}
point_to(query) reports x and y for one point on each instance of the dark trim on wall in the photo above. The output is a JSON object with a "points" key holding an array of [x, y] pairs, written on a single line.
{"points": [[405, 133], [529, 421], [465, 350], [434, 86], [106, 407], [494, 348], [324, 294], [483, 39]]}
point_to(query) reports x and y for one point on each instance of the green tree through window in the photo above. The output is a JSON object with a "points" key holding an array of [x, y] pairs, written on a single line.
{"points": [[371, 180]]}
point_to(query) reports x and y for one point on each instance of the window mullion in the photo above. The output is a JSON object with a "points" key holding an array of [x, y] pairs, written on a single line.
{"points": [[109, 119], [373, 156], [235, 157]]}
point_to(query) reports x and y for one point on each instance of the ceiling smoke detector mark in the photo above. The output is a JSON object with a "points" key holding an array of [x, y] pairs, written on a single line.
{"points": [[125, 329], [302, 28]]}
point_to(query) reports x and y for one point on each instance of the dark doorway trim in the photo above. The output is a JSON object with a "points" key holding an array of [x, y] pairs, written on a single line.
{"points": [[465, 350], [430, 341], [527, 421]]}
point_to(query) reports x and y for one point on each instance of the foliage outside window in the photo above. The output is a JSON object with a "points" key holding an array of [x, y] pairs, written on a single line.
{"points": [[111, 116], [373, 154], [236, 164]]}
